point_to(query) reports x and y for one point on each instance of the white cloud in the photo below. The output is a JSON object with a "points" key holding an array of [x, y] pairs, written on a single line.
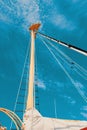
{"points": [[29, 10], [4, 18], [25, 12], [50, 2], [63, 22], [40, 84], [78, 84], [24, 1], [81, 89], [84, 108], [84, 114], [70, 100]]}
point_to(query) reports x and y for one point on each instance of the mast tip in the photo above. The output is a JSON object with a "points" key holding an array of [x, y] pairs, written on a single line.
{"points": [[34, 27]]}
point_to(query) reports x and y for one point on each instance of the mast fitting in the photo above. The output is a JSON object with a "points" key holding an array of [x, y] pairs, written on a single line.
{"points": [[34, 27]]}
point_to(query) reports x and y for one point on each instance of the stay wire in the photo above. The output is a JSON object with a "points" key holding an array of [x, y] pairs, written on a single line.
{"points": [[77, 49], [71, 79], [37, 78], [84, 75], [26, 87], [71, 61], [63, 43], [19, 88]]}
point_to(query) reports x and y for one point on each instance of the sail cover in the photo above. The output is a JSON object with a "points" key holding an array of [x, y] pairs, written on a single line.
{"points": [[34, 121]]}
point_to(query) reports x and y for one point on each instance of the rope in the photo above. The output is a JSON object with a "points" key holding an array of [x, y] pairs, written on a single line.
{"points": [[35, 75], [54, 40], [81, 69], [36, 81], [62, 59], [65, 44], [71, 61], [73, 82], [25, 94], [20, 84], [26, 85], [81, 75], [55, 108]]}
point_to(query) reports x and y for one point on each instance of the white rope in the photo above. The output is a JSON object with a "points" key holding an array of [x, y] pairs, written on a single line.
{"points": [[20, 83], [84, 75], [68, 58], [55, 108], [64, 44], [26, 86], [73, 82], [64, 61], [36, 73], [25, 94], [36, 78]]}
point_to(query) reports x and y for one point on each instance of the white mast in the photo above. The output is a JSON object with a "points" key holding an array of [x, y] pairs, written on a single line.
{"points": [[30, 98]]}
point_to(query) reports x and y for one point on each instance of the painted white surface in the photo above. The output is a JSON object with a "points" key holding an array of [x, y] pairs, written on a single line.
{"points": [[34, 121]]}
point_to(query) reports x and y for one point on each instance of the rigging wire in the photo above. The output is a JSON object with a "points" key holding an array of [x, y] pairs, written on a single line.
{"points": [[71, 79], [19, 88], [70, 61], [73, 62], [35, 76], [80, 74], [68, 58], [35, 79], [25, 94], [36, 82], [65, 44], [55, 108]]}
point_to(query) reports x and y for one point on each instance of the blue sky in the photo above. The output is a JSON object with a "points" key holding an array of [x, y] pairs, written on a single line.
{"points": [[62, 19]]}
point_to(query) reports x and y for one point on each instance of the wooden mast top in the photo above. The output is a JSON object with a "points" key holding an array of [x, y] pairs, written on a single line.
{"points": [[30, 99], [34, 27]]}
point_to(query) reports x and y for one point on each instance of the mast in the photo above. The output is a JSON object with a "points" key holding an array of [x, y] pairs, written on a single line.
{"points": [[30, 98]]}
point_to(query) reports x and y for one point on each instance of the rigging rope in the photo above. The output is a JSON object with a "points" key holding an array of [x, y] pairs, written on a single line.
{"points": [[70, 61], [35, 73], [71, 79], [68, 58], [65, 44], [55, 108], [81, 69], [25, 95], [36, 82], [20, 82], [81, 75]]}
